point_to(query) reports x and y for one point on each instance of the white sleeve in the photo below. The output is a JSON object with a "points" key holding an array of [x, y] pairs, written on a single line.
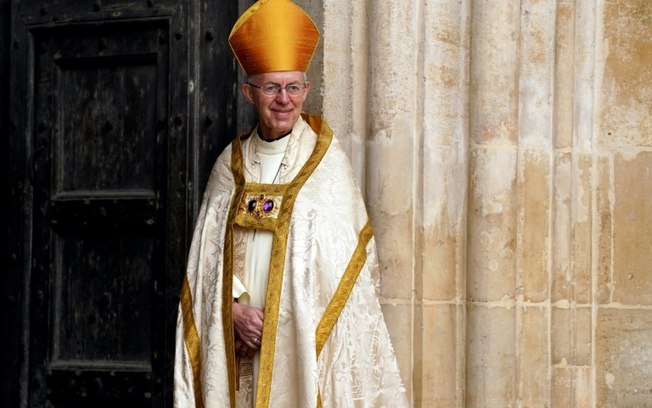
{"points": [[238, 288]]}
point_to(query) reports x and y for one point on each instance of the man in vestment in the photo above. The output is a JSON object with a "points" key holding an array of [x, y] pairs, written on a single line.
{"points": [[279, 304]]}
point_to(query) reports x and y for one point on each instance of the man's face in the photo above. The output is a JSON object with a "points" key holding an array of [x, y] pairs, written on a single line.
{"points": [[277, 113]]}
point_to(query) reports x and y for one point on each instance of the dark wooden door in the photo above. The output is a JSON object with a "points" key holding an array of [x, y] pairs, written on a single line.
{"points": [[118, 110]]}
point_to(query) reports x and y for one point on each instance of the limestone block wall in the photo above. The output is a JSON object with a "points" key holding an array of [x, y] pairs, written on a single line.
{"points": [[505, 151]]}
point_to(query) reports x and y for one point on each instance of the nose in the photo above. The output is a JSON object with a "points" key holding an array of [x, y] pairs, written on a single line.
{"points": [[282, 96]]}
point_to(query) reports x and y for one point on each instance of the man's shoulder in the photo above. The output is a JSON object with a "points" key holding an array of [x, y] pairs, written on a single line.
{"points": [[221, 176]]}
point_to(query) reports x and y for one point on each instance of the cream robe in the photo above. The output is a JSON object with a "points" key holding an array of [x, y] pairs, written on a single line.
{"points": [[324, 338]]}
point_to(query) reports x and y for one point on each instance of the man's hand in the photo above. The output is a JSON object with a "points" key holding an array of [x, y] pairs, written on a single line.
{"points": [[242, 350], [248, 325]]}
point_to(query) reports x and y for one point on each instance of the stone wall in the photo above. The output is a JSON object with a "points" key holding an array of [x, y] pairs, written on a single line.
{"points": [[505, 150]]}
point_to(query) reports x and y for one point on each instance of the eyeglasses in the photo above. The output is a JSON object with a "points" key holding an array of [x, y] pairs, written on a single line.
{"points": [[274, 89]]}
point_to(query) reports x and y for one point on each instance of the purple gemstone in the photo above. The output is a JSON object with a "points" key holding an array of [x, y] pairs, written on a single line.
{"points": [[268, 206], [251, 205]]}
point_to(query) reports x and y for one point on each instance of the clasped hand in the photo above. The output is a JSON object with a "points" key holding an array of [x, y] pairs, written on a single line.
{"points": [[248, 325]]}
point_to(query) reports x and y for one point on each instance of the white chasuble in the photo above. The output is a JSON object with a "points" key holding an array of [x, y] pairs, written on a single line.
{"points": [[325, 342]]}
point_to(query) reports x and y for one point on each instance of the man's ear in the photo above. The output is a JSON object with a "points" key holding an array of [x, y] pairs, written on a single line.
{"points": [[247, 92]]}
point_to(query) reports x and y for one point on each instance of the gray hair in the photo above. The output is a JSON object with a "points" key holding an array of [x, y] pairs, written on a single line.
{"points": [[251, 78]]}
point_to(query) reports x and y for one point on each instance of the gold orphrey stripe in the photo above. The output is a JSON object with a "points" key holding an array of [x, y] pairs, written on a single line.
{"points": [[344, 288], [227, 281], [191, 338]]}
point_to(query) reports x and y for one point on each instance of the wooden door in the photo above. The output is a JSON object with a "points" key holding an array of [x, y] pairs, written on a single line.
{"points": [[118, 110]]}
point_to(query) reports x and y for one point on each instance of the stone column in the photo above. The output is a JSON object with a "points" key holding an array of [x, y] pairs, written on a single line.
{"points": [[346, 78], [571, 265], [492, 217], [534, 200], [392, 147], [441, 179]]}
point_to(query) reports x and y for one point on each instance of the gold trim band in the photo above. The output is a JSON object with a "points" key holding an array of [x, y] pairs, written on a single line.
{"points": [[191, 339], [344, 288], [227, 270]]}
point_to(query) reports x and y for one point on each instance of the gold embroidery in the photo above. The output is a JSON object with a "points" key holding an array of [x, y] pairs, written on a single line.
{"points": [[191, 339], [260, 206], [344, 288], [227, 275]]}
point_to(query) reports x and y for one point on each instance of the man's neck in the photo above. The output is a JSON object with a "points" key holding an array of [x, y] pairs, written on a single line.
{"points": [[272, 139]]}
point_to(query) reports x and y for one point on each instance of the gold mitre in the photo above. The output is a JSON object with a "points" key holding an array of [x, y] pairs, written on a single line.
{"points": [[274, 35]]}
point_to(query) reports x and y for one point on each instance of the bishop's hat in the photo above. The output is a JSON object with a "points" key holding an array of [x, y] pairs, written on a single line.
{"points": [[274, 35]]}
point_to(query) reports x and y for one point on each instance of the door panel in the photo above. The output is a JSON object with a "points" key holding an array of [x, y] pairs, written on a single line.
{"points": [[100, 194], [108, 109]]}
